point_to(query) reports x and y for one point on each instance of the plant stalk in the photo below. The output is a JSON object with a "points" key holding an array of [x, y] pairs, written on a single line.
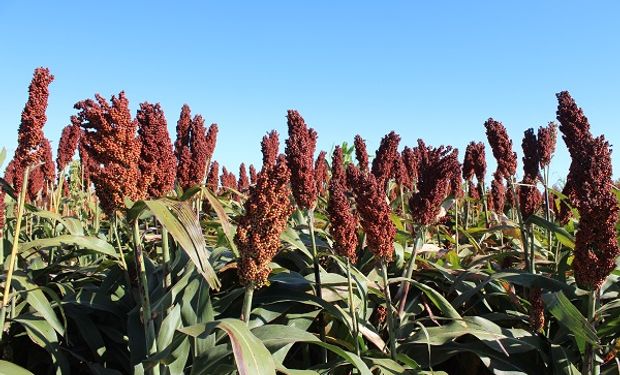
{"points": [[317, 279], [590, 365], [403, 290], [246, 309], [352, 309], [165, 248], [147, 316], [390, 312], [484, 204], [521, 224], [21, 202]]}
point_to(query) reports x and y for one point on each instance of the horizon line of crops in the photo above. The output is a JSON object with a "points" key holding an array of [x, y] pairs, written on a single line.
{"points": [[348, 265]]}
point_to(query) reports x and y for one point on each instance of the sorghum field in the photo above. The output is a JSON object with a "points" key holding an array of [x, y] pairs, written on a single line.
{"points": [[134, 252]]}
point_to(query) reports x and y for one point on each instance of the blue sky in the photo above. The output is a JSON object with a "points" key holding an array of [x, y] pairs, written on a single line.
{"points": [[432, 70]]}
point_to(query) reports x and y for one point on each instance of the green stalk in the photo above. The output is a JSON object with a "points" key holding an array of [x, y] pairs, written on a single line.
{"points": [[484, 204], [548, 215], [21, 202], [165, 248], [402, 198], [147, 316], [533, 250], [246, 309], [118, 243], [521, 224], [317, 279], [403, 290], [456, 223], [352, 309], [390, 312], [590, 366]]}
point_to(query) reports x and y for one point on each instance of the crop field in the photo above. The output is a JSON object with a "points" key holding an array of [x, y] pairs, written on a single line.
{"points": [[132, 251]]}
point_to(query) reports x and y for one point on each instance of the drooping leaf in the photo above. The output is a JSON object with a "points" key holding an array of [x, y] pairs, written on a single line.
{"points": [[8, 368], [251, 356], [568, 315], [182, 224], [84, 242]]}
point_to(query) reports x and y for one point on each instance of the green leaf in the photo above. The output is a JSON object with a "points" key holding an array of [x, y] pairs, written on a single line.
{"points": [[438, 300], [568, 315], [34, 297], [275, 335], [251, 356], [560, 233], [85, 242], [228, 229], [561, 362], [8, 368], [183, 225], [168, 327]]}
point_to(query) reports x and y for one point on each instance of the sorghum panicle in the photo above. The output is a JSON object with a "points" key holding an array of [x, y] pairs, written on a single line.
{"points": [[270, 147], [530, 197], [385, 157], [110, 139], [435, 169], [374, 212], [547, 138], [596, 247], [300, 147], [244, 182], [68, 143], [31, 142], [361, 154], [343, 221], [253, 176], [498, 194], [501, 145], [182, 148], [212, 177], [410, 159], [266, 213], [321, 174], [157, 162]]}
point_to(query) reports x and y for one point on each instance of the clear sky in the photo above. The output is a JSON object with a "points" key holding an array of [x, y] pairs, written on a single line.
{"points": [[433, 69]]}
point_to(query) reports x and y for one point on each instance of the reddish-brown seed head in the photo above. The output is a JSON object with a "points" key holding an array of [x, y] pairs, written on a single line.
{"points": [[68, 143], [590, 190], [182, 148], [244, 182], [157, 162], [212, 177], [300, 147], [228, 180], [321, 174], [435, 169], [361, 154], [385, 157], [270, 147], [410, 159], [547, 138], [501, 145], [110, 139], [374, 211], [253, 176], [530, 197], [31, 141], [343, 222], [401, 173], [266, 213], [200, 151], [338, 173], [498, 194]]}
